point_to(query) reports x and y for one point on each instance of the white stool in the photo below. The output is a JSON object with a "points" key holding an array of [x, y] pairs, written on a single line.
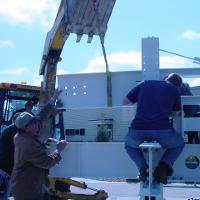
{"points": [[150, 190]]}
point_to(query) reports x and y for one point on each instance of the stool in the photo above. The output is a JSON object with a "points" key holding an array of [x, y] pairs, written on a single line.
{"points": [[150, 190]]}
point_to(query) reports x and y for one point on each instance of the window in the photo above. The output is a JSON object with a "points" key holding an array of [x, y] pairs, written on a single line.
{"points": [[82, 131], [73, 132]]}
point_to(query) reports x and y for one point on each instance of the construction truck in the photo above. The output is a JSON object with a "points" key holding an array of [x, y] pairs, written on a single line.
{"points": [[12, 97]]}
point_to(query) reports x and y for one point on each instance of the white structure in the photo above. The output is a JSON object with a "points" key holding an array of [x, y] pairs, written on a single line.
{"points": [[150, 59], [84, 97], [85, 100]]}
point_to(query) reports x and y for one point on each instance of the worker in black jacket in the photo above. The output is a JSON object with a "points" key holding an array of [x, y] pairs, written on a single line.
{"points": [[6, 158]]}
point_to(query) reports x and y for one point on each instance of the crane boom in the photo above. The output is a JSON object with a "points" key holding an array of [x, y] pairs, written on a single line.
{"points": [[78, 17]]}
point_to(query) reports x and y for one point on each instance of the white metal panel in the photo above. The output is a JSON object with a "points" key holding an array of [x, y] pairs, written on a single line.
{"points": [[122, 83], [84, 117], [88, 90], [190, 123], [94, 160], [110, 160], [190, 100]]}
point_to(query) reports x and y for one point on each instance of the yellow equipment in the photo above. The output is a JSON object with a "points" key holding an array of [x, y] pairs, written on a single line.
{"points": [[88, 17], [59, 187]]}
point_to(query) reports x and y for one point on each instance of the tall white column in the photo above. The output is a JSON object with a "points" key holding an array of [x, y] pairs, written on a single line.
{"points": [[150, 58]]}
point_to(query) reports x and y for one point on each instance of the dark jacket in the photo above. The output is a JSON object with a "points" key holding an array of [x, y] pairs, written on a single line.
{"points": [[7, 148]]}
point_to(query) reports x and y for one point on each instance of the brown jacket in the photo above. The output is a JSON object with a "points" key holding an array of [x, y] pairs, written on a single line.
{"points": [[30, 169], [31, 165]]}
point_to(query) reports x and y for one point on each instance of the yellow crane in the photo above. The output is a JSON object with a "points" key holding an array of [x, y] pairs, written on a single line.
{"points": [[88, 17]]}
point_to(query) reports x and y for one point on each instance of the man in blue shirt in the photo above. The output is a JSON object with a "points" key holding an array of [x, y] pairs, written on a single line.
{"points": [[156, 101]]}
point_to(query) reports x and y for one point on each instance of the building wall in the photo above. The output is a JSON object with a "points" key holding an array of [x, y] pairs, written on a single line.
{"points": [[89, 90], [89, 118]]}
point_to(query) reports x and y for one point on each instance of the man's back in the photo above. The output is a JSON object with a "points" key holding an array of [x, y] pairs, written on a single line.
{"points": [[155, 101]]}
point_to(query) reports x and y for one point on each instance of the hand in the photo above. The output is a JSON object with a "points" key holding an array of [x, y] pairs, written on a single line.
{"points": [[56, 94], [61, 145], [175, 114]]}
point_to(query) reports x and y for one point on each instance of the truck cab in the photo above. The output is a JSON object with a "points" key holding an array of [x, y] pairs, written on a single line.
{"points": [[13, 97]]}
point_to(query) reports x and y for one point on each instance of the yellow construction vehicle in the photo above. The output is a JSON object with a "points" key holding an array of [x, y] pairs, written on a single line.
{"points": [[88, 17], [14, 95]]}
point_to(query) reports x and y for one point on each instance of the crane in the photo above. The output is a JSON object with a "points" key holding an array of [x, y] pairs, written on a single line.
{"points": [[89, 17]]}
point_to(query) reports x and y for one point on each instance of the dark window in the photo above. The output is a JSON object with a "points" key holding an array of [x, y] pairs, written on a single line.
{"points": [[66, 131], [82, 131], [71, 131], [77, 132]]}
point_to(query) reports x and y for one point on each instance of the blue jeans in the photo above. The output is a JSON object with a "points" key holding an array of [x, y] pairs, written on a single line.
{"points": [[4, 185], [169, 139]]}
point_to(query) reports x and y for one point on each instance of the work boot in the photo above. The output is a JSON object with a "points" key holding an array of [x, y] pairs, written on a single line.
{"points": [[161, 172], [143, 173]]}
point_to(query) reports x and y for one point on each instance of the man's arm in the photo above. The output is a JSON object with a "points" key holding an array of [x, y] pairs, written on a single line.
{"points": [[176, 110], [126, 101], [38, 156], [48, 109], [132, 96]]}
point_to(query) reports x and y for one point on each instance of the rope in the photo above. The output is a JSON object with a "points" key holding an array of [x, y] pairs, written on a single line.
{"points": [[101, 36]]}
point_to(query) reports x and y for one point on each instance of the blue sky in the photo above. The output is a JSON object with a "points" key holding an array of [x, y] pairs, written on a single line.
{"points": [[25, 23]]}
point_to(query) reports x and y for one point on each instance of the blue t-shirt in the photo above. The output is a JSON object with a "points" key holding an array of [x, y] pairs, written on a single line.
{"points": [[155, 101]]}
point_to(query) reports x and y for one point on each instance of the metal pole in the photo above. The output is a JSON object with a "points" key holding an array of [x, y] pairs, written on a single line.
{"points": [[150, 171]]}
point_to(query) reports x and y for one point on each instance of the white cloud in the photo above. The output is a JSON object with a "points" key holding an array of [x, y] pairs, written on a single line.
{"points": [[36, 82], [19, 74], [62, 71], [172, 62], [29, 11], [6, 43], [124, 61], [191, 35], [120, 61], [29, 75], [14, 71]]}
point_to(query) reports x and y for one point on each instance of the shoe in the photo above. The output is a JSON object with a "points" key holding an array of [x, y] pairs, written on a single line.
{"points": [[143, 173], [161, 172]]}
